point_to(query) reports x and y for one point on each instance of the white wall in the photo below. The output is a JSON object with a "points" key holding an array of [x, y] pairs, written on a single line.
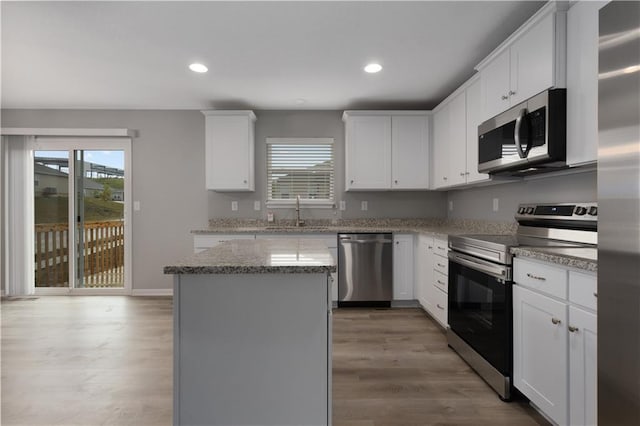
{"points": [[477, 203]]}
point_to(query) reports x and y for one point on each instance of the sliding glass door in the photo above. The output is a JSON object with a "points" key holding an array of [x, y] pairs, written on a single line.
{"points": [[82, 223]]}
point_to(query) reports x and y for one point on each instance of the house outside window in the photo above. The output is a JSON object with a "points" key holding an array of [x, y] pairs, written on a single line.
{"points": [[300, 167]]}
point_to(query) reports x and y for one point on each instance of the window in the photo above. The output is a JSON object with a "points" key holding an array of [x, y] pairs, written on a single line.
{"points": [[300, 166]]}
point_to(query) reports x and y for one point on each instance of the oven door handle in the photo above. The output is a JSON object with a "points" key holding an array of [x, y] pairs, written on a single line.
{"points": [[502, 273]]}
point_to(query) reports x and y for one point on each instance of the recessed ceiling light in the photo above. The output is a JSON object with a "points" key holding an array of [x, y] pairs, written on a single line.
{"points": [[198, 68], [373, 68]]}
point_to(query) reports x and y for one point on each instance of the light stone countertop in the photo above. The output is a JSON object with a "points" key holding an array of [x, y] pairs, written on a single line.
{"points": [[585, 258], [288, 256]]}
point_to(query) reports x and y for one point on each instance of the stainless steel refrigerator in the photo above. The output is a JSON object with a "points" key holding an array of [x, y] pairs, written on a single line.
{"points": [[619, 214]]}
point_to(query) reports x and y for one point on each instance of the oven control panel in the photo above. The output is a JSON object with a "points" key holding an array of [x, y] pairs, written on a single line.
{"points": [[562, 211]]}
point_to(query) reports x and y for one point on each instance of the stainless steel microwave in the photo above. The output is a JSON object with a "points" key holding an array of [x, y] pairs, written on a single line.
{"points": [[529, 138]]}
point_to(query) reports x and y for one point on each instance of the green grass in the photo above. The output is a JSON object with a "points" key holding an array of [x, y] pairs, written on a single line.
{"points": [[56, 209]]}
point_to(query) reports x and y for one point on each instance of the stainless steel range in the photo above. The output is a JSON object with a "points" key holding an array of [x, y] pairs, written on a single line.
{"points": [[480, 283]]}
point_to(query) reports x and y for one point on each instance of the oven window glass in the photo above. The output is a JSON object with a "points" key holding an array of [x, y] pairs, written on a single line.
{"points": [[480, 312]]}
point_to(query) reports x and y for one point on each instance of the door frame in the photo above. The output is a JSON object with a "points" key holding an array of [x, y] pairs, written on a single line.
{"points": [[54, 143]]}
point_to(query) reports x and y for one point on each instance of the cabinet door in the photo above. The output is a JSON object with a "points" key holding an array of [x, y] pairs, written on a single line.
{"points": [[458, 140], [494, 80], [368, 162], [409, 152], [474, 119], [540, 358], [440, 162], [582, 82], [403, 267], [583, 373], [229, 153], [532, 61]]}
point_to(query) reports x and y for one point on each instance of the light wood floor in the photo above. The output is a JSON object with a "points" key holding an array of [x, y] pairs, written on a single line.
{"points": [[108, 361]]}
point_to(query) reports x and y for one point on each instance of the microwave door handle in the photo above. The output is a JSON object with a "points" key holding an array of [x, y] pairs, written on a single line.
{"points": [[516, 134]]}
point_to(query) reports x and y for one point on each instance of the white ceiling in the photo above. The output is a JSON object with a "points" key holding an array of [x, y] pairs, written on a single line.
{"points": [[261, 55]]}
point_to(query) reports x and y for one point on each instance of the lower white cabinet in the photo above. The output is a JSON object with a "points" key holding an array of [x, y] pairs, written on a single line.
{"points": [[432, 277], [424, 271], [402, 267], [540, 351], [555, 340]]}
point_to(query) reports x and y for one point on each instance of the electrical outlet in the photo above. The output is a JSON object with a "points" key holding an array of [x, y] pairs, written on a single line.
{"points": [[364, 206], [496, 204], [343, 205], [450, 205], [256, 205], [234, 206], [136, 206]]}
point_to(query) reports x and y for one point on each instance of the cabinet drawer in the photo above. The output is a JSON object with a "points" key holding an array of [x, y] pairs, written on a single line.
{"points": [[212, 240], [441, 264], [441, 281], [583, 289], [541, 277], [440, 307], [440, 247]]}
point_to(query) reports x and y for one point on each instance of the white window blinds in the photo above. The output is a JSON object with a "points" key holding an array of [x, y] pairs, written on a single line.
{"points": [[300, 166]]}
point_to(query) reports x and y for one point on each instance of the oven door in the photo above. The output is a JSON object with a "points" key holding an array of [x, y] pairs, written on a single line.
{"points": [[480, 308]]}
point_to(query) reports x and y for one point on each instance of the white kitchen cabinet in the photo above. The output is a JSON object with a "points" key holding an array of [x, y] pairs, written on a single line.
{"points": [[440, 163], [474, 119], [402, 267], [495, 86], [368, 152], [582, 82], [409, 152], [457, 140], [229, 150], [424, 271], [554, 308], [530, 61], [540, 351], [583, 367], [386, 150]]}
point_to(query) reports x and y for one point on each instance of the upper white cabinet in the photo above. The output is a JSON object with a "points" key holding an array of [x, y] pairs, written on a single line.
{"points": [[441, 147], [368, 152], [229, 150], [386, 150], [582, 82], [530, 61], [455, 138]]}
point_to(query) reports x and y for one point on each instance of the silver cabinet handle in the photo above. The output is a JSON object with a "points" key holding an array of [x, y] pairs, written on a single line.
{"points": [[439, 307], [572, 328], [440, 248], [462, 174], [535, 277], [440, 265], [429, 247], [512, 92], [244, 181], [351, 180], [595, 294], [444, 177], [504, 97], [396, 181], [556, 321], [467, 173], [440, 282]]}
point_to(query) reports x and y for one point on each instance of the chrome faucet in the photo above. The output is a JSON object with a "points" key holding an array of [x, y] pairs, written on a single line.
{"points": [[298, 221]]}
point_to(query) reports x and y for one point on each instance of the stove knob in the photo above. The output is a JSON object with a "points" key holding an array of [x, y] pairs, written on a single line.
{"points": [[593, 211], [581, 211], [521, 210], [529, 210]]}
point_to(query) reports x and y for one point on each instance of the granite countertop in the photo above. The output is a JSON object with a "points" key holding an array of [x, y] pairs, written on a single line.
{"points": [[576, 257], [289, 256], [440, 228]]}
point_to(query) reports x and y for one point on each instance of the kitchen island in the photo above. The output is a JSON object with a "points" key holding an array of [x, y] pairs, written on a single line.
{"points": [[252, 334]]}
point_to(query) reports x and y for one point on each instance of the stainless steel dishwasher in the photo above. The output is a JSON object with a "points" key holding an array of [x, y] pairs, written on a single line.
{"points": [[365, 268]]}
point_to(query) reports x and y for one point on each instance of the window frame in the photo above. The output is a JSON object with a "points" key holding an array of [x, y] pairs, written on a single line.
{"points": [[308, 202]]}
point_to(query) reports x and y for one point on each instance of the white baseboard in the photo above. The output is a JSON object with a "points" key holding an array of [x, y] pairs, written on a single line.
{"points": [[152, 292]]}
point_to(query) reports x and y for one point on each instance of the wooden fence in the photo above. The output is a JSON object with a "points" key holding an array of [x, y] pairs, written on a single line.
{"points": [[102, 254]]}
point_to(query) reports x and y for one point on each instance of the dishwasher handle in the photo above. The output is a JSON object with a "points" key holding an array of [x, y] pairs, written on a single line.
{"points": [[353, 241]]}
